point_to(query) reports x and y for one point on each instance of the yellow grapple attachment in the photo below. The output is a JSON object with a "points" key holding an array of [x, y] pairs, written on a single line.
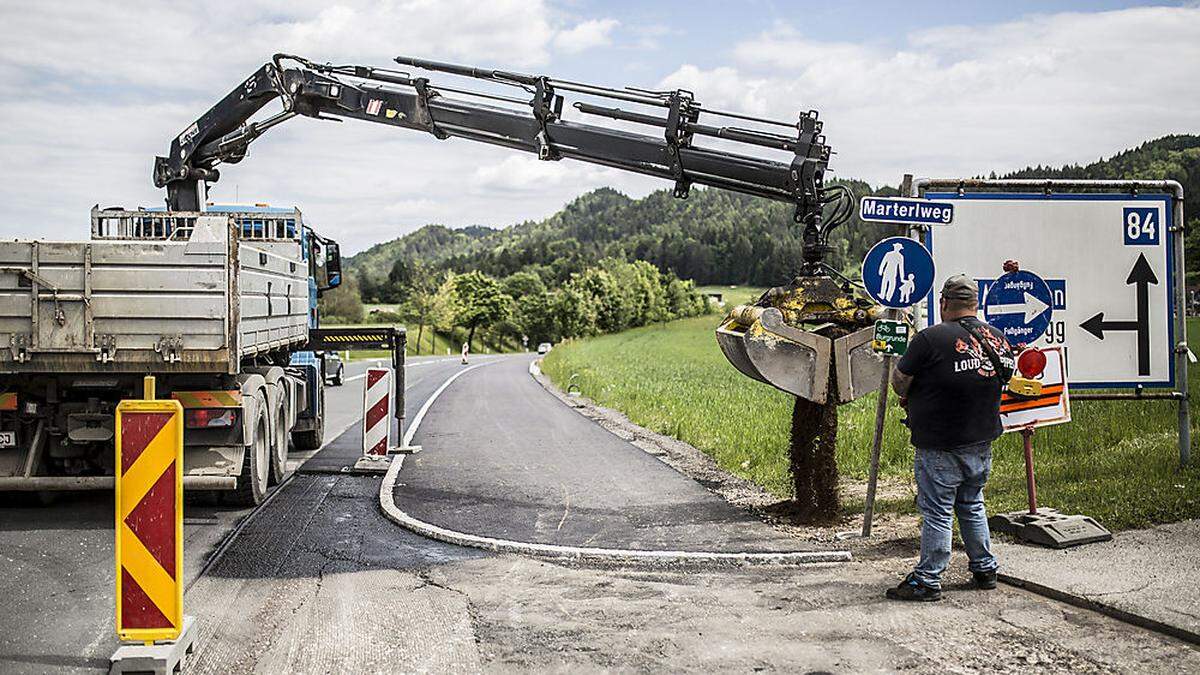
{"points": [[765, 344]]}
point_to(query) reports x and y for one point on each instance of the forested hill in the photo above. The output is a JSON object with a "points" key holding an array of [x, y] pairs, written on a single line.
{"points": [[1172, 157], [712, 237]]}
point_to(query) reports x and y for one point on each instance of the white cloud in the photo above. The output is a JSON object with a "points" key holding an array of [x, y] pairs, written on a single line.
{"points": [[585, 35], [956, 100], [90, 93]]}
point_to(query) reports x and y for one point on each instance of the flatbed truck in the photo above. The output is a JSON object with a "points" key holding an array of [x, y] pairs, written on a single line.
{"points": [[216, 305]]}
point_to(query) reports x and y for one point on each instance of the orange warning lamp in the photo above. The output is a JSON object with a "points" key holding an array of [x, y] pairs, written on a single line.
{"points": [[1031, 363]]}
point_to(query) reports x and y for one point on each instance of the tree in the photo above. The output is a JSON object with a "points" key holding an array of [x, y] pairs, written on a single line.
{"points": [[600, 290], [342, 304], [422, 303], [573, 315], [479, 302]]}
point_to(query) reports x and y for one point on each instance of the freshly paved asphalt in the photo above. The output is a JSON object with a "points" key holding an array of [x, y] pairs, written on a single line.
{"points": [[504, 458], [56, 561]]}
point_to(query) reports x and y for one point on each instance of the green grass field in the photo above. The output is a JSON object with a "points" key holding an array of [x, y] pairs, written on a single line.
{"points": [[1117, 461]]}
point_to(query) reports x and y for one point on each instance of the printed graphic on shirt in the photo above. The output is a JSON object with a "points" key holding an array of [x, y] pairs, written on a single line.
{"points": [[975, 358]]}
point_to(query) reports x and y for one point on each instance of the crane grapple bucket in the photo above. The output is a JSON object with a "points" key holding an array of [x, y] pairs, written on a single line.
{"points": [[760, 345], [794, 336]]}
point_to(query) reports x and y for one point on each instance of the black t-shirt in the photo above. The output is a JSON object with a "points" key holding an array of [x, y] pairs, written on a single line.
{"points": [[954, 399]]}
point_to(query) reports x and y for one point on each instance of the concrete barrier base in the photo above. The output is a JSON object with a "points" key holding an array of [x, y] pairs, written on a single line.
{"points": [[160, 658]]}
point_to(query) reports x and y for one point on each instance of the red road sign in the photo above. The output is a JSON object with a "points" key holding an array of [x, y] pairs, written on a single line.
{"points": [[377, 423], [149, 527]]}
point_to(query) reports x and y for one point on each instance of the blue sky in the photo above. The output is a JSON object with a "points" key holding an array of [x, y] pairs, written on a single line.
{"points": [[90, 92]]}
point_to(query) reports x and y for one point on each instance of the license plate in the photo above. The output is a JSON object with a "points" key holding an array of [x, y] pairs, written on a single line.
{"points": [[8, 439]]}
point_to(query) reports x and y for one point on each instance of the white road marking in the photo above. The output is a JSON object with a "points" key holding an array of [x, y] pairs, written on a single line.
{"points": [[416, 420], [407, 365]]}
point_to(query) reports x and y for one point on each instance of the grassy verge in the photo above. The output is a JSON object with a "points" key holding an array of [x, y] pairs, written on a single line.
{"points": [[1117, 461]]}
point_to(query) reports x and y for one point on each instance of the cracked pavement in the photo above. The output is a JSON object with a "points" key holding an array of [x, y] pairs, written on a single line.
{"points": [[320, 581]]}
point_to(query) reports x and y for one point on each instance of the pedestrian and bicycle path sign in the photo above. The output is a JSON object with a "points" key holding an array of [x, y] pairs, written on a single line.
{"points": [[898, 272]]}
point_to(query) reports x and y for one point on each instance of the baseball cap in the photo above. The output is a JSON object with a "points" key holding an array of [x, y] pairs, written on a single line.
{"points": [[960, 287]]}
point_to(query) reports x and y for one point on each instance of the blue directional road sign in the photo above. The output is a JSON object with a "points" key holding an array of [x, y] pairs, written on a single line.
{"points": [[898, 272], [1019, 304]]}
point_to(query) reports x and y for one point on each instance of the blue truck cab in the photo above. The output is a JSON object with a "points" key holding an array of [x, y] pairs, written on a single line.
{"points": [[324, 273]]}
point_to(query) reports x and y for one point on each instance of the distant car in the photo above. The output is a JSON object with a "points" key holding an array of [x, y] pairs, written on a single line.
{"points": [[335, 369], [544, 348]]}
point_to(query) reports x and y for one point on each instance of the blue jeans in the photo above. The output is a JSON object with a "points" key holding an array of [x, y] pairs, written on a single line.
{"points": [[951, 483]]}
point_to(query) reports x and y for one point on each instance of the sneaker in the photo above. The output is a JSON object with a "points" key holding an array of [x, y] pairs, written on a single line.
{"points": [[911, 589], [985, 581]]}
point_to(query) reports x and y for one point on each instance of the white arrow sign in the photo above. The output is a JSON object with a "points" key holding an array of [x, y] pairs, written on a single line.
{"points": [[1032, 307]]}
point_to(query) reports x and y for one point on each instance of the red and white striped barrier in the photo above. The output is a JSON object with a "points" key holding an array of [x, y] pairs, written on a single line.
{"points": [[377, 412]]}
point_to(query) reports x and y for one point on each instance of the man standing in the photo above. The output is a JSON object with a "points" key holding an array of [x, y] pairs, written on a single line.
{"points": [[950, 381]]}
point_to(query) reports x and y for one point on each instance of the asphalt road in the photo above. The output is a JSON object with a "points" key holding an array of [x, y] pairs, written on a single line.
{"points": [[56, 561], [319, 581], [528, 468]]}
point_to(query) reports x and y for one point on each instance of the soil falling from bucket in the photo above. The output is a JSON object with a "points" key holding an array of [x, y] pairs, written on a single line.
{"points": [[812, 451]]}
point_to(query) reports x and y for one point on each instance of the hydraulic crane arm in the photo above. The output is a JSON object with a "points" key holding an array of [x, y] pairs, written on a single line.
{"points": [[536, 125]]}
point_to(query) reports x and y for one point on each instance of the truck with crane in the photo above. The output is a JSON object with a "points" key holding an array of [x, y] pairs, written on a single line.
{"points": [[220, 304]]}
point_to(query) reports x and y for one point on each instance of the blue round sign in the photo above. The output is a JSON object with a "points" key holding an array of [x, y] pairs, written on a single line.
{"points": [[898, 272], [1019, 304]]}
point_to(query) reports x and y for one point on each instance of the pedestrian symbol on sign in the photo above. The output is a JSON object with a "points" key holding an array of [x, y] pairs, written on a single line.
{"points": [[898, 272]]}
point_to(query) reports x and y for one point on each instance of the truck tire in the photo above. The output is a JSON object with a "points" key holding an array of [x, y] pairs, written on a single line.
{"points": [[279, 433], [256, 464], [312, 439]]}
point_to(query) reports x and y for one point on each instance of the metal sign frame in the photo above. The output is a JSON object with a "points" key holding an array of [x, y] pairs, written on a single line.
{"points": [[1169, 190], [391, 338]]}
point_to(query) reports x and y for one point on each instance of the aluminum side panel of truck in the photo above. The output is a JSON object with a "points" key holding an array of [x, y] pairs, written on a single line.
{"points": [[200, 305]]}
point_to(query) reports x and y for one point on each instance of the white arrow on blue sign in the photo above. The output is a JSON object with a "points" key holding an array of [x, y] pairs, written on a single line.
{"points": [[898, 272], [905, 211], [1019, 304]]}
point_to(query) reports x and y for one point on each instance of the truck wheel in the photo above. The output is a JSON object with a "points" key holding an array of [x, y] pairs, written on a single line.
{"points": [[256, 465], [312, 439], [279, 437]]}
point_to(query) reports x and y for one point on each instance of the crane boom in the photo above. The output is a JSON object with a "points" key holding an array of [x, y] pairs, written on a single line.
{"points": [[535, 124]]}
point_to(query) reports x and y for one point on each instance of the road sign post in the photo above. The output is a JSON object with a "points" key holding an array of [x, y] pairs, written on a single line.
{"points": [[897, 272]]}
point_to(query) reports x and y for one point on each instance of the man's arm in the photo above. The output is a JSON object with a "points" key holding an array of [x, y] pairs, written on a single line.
{"points": [[910, 364], [901, 382]]}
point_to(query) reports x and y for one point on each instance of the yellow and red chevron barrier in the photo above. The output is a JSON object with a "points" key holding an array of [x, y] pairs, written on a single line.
{"points": [[149, 503]]}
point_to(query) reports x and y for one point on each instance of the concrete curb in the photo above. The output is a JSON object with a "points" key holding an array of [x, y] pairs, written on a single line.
{"points": [[587, 554], [387, 503], [1084, 602]]}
